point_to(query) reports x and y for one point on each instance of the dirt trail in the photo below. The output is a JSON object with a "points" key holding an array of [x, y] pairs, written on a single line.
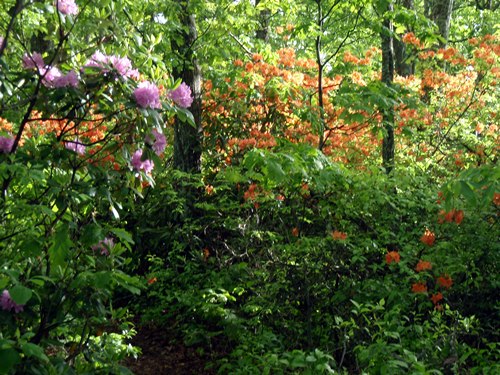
{"points": [[164, 354]]}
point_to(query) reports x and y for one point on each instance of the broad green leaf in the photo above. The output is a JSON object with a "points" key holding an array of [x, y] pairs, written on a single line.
{"points": [[20, 294]]}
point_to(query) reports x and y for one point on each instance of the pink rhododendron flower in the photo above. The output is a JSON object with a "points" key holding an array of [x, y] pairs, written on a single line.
{"points": [[8, 304], [1, 41], [160, 142], [6, 144], [104, 246], [34, 61], [50, 76], [147, 95], [122, 65], [67, 7], [75, 146], [68, 80], [182, 96], [146, 165]]}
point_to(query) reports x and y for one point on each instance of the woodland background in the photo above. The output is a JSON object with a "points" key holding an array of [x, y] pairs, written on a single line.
{"points": [[285, 187]]}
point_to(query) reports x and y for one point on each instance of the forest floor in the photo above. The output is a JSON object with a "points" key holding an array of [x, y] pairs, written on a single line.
{"points": [[164, 353]]}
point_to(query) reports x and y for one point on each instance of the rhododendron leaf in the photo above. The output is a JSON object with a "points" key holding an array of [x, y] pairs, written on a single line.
{"points": [[60, 247], [123, 235], [32, 350], [20, 294], [8, 358]]}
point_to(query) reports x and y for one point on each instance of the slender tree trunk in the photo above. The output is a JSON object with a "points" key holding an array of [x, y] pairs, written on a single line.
{"points": [[187, 139], [387, 79], [402, 67], [264, 17], [440, 12], [321, 66]]}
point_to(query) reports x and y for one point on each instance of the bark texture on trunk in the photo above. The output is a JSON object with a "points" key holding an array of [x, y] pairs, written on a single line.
{"points": [[440, 12], [402, 66], [187, 139], [387, 79]]}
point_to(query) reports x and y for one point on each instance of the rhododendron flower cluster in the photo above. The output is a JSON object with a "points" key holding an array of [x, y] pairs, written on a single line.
{"points": [[77, 147], [67, 7], [182, 96], [160, 142], [146, 165], [104, 246], [51, 76], [122, 65], [147, 95], [34, 61], [8, 304], [6, 144]]}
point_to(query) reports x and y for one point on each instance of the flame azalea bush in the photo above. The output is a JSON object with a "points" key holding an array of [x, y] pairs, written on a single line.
{"points": [[81, 132]]}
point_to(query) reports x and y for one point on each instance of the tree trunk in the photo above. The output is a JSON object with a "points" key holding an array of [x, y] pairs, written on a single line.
{"points": [[187, 139], [403, 68], [439, 11], [387, 79], [264, 16]]}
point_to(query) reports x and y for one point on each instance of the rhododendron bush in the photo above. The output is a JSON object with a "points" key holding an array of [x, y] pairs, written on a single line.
{"points": [[82, 132]]}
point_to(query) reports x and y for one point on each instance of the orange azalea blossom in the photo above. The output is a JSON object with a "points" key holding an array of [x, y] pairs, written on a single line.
{"points": [[209, 189], [454, 215], [152, 280], [496, 199], [339, 235], [295, 232], [206, 254], [445, 281], [423, 265], [428, 238], [435, 298], [392, 256], [419, 288], [459, 216], [250, 194]]}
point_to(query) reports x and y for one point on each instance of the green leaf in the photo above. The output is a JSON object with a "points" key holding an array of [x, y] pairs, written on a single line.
{"points": [[20, 294], [8, 359], [32, 350], [59, 250], [123, 235]]}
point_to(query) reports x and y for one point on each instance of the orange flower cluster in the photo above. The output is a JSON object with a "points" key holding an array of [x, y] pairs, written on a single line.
{"points": [[295, 232], [250, 194], [419, 288], [435, 298], [350, 58], [411, 39], [423, 265], [456, 216], [428, 237], [445, 281], [270, 113], [339, 236], [496, 199], [392, 257]]}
